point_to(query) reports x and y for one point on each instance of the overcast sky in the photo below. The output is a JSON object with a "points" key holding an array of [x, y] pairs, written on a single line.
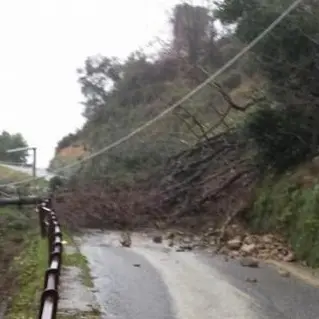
{"points": [[42, 42]]}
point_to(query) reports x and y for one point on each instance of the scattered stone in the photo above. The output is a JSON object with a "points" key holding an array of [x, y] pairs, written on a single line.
{"points": [[234, 243], [170, 236], [186, 247], [274, 252], [232, 231], [212, 242], [126, 240], [251, 280], [248, 240], [234, 254], [179, 250], [137, 265], [248, 249], [261, 246], [171, 243], [290, 257], [283, 273], [187, 240], [267, 239], [226, 258], [158, 239], [249, 262], [224, 250]]}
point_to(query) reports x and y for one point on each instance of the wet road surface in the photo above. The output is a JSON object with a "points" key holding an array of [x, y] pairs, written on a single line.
{"points": [[152, 280]]}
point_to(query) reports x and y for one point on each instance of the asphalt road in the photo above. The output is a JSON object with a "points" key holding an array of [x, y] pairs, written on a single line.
{"points": [[154, 281]]}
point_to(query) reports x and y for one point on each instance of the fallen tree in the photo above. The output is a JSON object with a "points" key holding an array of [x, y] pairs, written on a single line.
{"points": [[213, 180]]}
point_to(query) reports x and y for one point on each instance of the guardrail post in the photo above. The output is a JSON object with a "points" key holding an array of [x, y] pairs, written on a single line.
{"points": [[42, 215]]}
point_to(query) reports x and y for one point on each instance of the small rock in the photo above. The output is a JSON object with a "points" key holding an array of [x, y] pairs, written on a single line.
{"points": [[223, 250], [179, 250], [261, 246], [290, 257], [234, 243], [157, 239], [187, 240], [170, 235], [126, 240], [234, 254], [268, 239], [248, 240], [171, 243], [226, 258], [186, 247], [283, 273], [252, 280], [212, 242], [137, 265], [249, 262], [248, 249], [274, 253]]}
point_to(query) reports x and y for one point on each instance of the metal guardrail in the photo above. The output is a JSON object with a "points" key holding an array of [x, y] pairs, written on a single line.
{"points": [[50, 228]]}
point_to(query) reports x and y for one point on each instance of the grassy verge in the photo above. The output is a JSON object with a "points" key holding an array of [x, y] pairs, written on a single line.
{"points": [[76, 259], [31, 265], [22, 262], [289, 204], [10, 175]]}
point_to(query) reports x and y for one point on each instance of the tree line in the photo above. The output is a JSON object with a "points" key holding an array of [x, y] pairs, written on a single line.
{"points": [[11, 141], [284, 125]]}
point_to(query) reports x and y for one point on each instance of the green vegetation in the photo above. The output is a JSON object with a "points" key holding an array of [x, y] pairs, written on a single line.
{"points": [[11, 141], [22, 261], [121, 95], [8, 175], [289, 205], [78, 260], [31, 266]]}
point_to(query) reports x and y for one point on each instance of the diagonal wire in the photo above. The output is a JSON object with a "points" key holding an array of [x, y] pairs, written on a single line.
{"points": [[179, 102]]}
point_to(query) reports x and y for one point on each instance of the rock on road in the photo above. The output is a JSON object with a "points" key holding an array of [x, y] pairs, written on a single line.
{"points": [[151, 280]]}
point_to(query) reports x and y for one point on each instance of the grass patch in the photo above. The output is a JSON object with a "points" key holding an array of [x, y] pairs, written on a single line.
{"points": [[31, 266], [23, 259], [76, 259], [289, 204], [8, 175], [14, 225]]}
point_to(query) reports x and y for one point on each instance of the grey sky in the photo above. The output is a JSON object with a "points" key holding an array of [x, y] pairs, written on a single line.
{"points": [[42, 44]]}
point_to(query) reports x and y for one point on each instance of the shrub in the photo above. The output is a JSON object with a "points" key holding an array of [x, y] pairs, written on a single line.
{"points": [[283, 135]]}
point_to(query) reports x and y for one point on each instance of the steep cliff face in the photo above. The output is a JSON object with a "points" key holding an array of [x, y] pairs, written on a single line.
{"points": [[66, 156]]}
